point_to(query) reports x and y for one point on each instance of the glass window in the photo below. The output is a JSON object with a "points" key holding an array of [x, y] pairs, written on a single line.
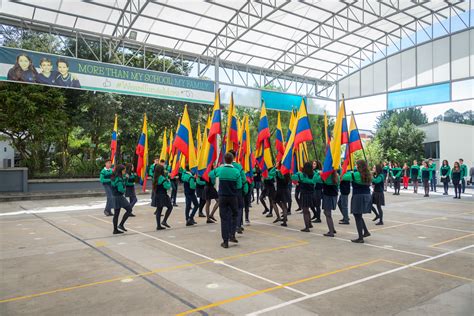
{"points": [[432, 150]]}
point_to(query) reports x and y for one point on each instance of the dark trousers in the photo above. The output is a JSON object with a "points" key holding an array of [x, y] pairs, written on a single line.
{"points": [[191, 199], [343, 204], [317, 204], [329, 221], [133, 200], [396, 185], [433, 183], [446, 186], [306, 217], [297, 196], [128, 211], [378, 212], [360, 224], [257, 187], [174, 190], [202, 203], [108, 193], [463, 185], [426, 186], [240, 211], [159, 211], [262, 200], [247, 201], [457, 189], [228, 212]]}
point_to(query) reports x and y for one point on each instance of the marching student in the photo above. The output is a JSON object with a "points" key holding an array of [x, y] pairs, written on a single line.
{"points": [[118, 200], [268, 191], [248, 189], [209, 194], [189, 182], [463, 175], [23, 70], [230, 184], [306, 182], [240, 198], [396, 174], [174, 188], [378, 197], [200, 184], [426, 177], [444, 172], [151, 171], [318, 192], [343, 202], [298, 196], [257, 180], [131, 178], [161, 185], [414, 174], [283, 195], [434, 180], [330, 193], [105, 175], [456, 174], [386, 173], [406, 176], [361, 199]]}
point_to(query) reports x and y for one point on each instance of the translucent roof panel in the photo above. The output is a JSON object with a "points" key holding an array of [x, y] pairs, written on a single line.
{"points": [[311, 38]]}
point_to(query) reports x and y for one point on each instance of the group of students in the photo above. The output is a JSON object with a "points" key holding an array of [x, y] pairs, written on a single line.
{"points": [[427, 175]]}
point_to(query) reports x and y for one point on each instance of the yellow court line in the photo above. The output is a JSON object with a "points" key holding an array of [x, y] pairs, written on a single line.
{"points": [[134, 276], [450, 240], [430, 270], [255, 293], [405, 224]]}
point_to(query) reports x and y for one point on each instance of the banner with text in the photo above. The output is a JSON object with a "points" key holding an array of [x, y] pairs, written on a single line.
{"points": [[68, 72]]}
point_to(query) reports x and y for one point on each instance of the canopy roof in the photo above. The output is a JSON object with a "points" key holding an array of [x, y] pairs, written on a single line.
{"points": [[316, 39]]}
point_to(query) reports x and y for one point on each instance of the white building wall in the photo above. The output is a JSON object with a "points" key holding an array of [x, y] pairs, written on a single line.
{"points": [[6, 152]]}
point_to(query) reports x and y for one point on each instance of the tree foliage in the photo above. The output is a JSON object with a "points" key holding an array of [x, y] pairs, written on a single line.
{"points": [[456, 117]]}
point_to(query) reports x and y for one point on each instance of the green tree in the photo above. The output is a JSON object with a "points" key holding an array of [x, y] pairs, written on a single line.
{"points": [[413, 115], [456, 117]]}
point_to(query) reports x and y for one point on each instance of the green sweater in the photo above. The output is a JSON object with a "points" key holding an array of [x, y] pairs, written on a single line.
{"points": [[188, 177], [165, 181], [132, 178], [378, 179], [303, 178], [463, 171], [415, 167], [105, 175], [448, 171], [396, 172], [119, 184]]}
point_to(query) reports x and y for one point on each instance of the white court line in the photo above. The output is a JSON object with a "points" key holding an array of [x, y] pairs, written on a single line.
{"points": [[208, 258], [437, 227], [421, 192], [348, 240], [375, 276]]}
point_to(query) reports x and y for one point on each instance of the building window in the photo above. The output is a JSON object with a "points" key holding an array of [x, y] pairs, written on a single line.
{"points": [[432, 150]]}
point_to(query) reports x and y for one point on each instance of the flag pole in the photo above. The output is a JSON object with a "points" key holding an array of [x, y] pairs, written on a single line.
{"points": [[348, 141], [361, 144]]}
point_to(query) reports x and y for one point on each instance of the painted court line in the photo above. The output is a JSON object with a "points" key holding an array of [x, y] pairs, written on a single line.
{"points": [[450, 240], [336, 288], [255, 293], [208, 258], [431, 226], [348, 240]]}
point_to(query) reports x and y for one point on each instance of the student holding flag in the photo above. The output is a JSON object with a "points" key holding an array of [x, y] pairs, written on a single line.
{"points": [[361, 199], [142, 153], [318, 192], [189, 181], [283, 194], [343, 202], [240, 197], [330, 192], [378, 197], [131, 178], [306, 181], [119, 201], [161, 185]]}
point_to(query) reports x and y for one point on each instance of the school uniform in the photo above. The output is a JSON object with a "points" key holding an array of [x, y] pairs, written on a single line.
{"points": [[307, 188], [414, 174], [406, 177], [200, 184], [210, 192], [268, 191], [386, 173], [174, 187], [66, 81], [162, 200], [118, 202], [105, 175], [463, 177], [426, 178], [318, 197], [51, 80], [444, 172], [434, 180], [130, 188], [456, 178], [378, 197], [189, 183], [361, 204], [343, 201], [26, 76], [230, 185], [283, 195], [248, 189], [257, 183], [396, 174], [330, 192], [151, 170]]}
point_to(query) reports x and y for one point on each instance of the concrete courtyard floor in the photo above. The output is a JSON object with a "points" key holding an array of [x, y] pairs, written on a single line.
{"points": [[59, 257]]}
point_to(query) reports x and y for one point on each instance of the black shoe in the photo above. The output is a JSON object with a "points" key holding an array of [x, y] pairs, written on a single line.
{"points": [[212, 218], [344, 222], [225, 245], [117, 232], [277, 220], [202, 215], [367, 234], [306, 230], [445, 193], [175, 204], [108, 213], [160, 228], [375, 218], [284, 224], [210, 221], [265, 212], [247, 220], [239, 230], [328, 234], [358, 241], [269, 215], [165, 224], [189, 223], [154, 213], [317, 220], [455, 197], [426, 195], [310, 226], [298, 209], [289, 213], [122, 228], [394, 194], [234, 240], [379, 223], [132, 215]]}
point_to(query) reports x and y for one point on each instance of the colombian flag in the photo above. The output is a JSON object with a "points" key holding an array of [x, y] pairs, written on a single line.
{"points": [[328, 163], [142, 153], [339, 137], [205, 155], [232, 132], [354, 145], [288, 161], [290, 126], [279, 145], [164, 148], [263, 152], [113, 143], [303, 130], [184, 140], [215, 128]]}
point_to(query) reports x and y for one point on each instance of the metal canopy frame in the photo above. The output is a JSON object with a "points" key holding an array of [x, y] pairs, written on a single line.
{"points": [[302, 47]]}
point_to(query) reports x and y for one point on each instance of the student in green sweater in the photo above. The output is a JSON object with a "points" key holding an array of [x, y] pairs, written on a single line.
{"points": [[119, 201], [445, 172], [189, 183], [463, 174], [396, 174], [105, 175], [131, 177], [161, 184], [434, 179], [414, 174], [456, 178], [378, 197], [426, 172], [306, 181]]}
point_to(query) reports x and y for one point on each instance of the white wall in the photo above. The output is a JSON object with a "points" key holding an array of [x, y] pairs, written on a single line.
{"points": [[6, 152]]}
